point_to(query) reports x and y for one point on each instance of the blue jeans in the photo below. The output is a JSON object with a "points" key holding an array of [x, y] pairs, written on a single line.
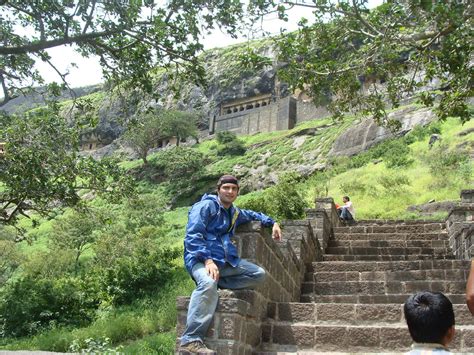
{"points": [[203, 301], [345, 214]]}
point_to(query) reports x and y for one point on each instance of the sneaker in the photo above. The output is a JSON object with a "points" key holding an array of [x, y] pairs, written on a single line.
{"points": [[195, 347]]}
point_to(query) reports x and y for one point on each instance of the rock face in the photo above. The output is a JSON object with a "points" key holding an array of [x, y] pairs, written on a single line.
{"points": [[367, 133]]}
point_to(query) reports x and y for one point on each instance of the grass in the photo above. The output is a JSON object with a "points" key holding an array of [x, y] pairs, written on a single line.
{"points": [[147, 325], [149, 322]]}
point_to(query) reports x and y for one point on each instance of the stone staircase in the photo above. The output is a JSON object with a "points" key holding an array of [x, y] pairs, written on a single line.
{"points": [[340, 289], [352, 300]]}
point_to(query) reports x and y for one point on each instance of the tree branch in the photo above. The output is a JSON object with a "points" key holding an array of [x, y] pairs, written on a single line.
{"points": [[40, 45]]}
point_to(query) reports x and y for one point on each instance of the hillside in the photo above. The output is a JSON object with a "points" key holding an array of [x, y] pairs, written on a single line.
{"points": [[281, 172]]}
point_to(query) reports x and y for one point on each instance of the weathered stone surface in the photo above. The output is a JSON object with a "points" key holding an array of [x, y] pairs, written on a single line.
{"points": [[367, 133]]}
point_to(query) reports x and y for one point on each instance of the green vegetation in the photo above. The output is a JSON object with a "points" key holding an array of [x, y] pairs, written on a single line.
{"points": [[105, 277]]}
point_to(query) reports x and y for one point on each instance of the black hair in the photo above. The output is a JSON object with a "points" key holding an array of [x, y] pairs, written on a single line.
{"points": [[429, 316], [346, 197]]}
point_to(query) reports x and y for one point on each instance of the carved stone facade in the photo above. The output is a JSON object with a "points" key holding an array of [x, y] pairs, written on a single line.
{"points": [[255, 115]]}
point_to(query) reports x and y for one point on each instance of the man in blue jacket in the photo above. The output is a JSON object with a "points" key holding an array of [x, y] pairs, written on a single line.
{"points": [[212, 259]]}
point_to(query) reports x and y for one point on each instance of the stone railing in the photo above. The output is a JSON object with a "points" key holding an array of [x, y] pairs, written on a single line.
{"points": [[237, 323], [323, 219], [460, 226]]}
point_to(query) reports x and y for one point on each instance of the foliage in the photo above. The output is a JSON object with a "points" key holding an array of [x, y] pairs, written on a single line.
{"points": [[180, 163], [130, 39], [282, 201], [129, 265], [179, 124], [74, 231], [42, 169], [10, 257], [92, 345], [30, 304], [443, 162], [229, 144], [350, 51], [148, 128], [397, 154], [144, 134], [394, 183], [224, 137]]}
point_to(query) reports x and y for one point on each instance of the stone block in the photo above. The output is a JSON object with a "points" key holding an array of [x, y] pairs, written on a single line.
{"points": [[266, 333], [296, 312], [379, 312], [232, 305], [468, 339], [326, 312], [395, 338], [331, 335], [302, 336], [230, 327], [365, 337]]}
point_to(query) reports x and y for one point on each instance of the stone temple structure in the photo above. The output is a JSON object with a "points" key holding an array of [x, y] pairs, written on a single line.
{"points": [[255, 114]]}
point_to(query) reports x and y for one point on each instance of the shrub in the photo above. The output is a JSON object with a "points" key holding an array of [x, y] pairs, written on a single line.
{"points": [[29, 304], [282, 201], [394, 183], [225, 137], [446, 164], [229, 144], [396, 154], [129, 266], [180, 162]]}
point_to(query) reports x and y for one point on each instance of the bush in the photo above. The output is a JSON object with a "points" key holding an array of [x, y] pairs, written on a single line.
{"points": [[396, 154], [229, 144], [446, 164], [233, 148], [394, 184], [180, 162], [129, 266], [29, 305], [225, 137], [282, 201]]}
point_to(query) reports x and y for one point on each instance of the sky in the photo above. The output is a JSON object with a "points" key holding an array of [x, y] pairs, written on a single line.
{"points": [[88, 71]]}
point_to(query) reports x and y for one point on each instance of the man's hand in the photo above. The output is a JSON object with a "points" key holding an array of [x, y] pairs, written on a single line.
{"points": [[212, 269], [276, 232]]}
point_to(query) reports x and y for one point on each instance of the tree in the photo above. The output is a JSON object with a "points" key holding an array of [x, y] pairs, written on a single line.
{"points": [[130, 38], [412, 47], [179, 124], [144, 134], [41, 168], [74, 231]]}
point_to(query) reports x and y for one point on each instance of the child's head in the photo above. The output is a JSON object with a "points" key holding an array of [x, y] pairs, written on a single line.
{"points": [[345, 199], [430, 317]]}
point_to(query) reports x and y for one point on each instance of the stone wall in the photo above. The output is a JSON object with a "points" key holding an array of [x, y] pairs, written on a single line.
{"points": [[237, 325], [460, 226], [278, 115], [306, 111]]}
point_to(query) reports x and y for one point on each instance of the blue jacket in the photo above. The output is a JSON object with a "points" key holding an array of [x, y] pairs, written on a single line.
{"points": [[209, 232]]}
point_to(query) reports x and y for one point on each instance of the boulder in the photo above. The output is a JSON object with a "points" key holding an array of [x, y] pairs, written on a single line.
{"points": [[367, 133]]}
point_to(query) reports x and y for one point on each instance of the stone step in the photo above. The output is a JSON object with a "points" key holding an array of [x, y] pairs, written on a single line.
{"points": [[377, 337], [334, 257], [371, 299], [382, 222], [349, 313], [390, 236], [389, 243], [386, 251], [381, 287], [394, 228], [388, 275], [360, 266]]}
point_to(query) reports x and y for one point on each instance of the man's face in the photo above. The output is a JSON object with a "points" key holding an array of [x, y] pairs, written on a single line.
{"points": [[228, 193]]}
